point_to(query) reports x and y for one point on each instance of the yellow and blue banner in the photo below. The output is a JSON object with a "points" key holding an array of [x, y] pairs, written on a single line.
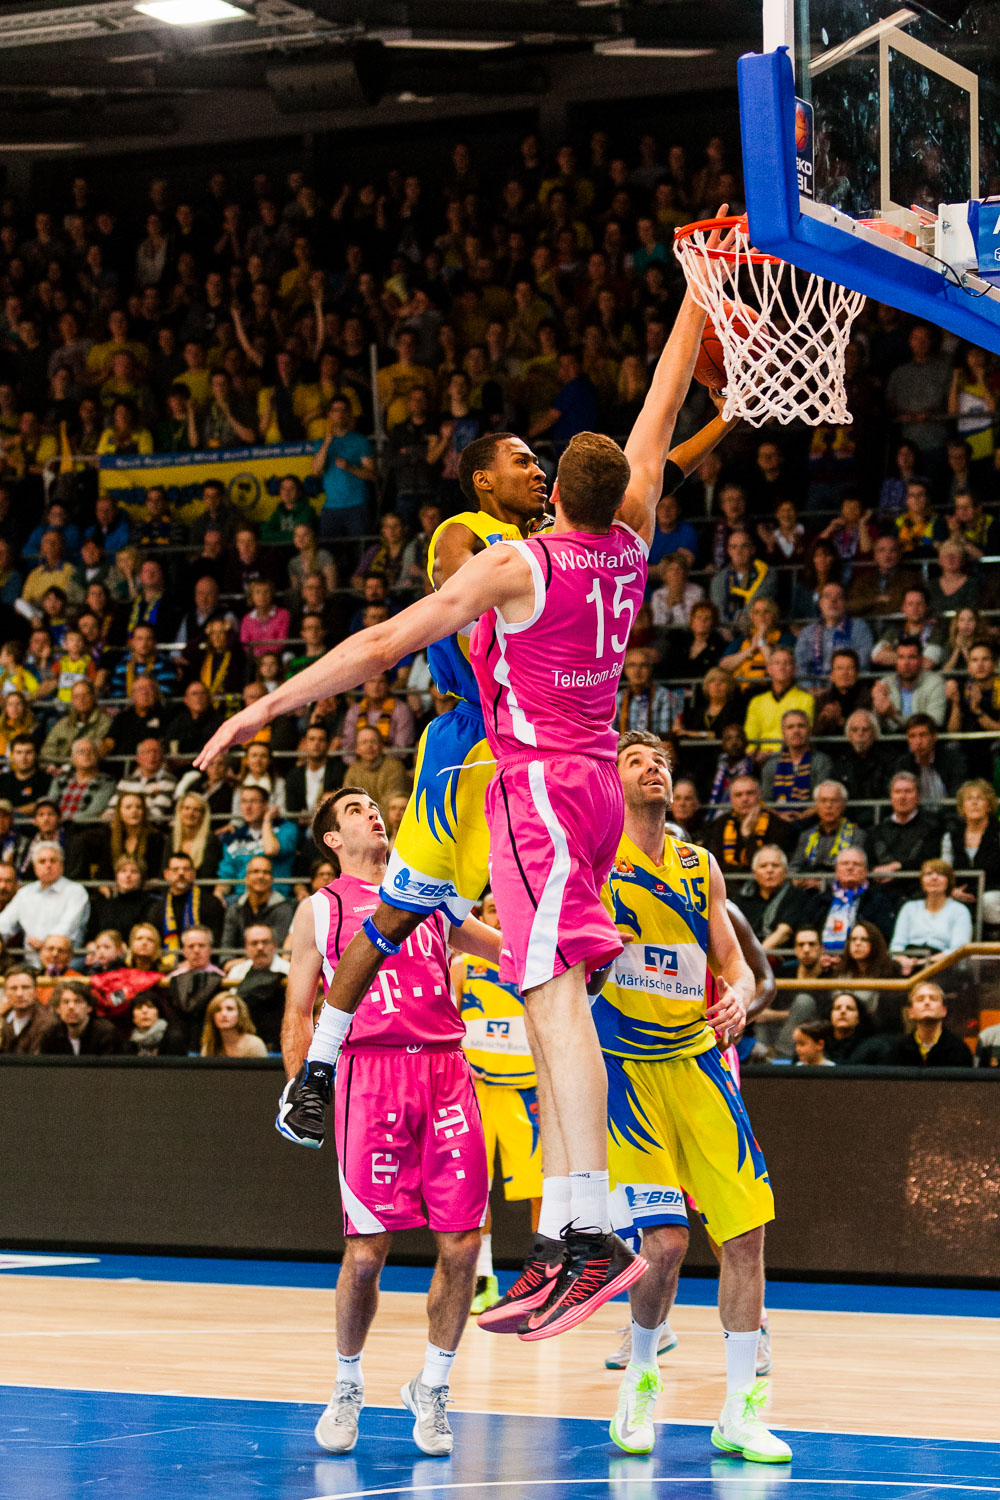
{"points": [[252, 477]]}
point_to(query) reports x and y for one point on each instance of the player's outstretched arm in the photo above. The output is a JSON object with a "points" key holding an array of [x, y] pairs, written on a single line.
{"points": [[476, 939], [687, 456], [300, 990], [735, 982], [648, 444], [498, 576]]}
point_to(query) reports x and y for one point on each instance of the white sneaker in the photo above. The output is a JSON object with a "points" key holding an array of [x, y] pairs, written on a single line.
{"points": [[431, 1431], [764, 1349], [740, 1430], [622, 1355], [632, 1424], [337, 1428]]}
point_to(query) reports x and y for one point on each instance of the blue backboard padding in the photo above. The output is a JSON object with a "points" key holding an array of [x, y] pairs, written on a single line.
{"points": [[778, 226]]}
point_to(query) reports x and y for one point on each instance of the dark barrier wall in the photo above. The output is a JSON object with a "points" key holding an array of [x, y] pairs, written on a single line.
{"points": [[880, 1175]]}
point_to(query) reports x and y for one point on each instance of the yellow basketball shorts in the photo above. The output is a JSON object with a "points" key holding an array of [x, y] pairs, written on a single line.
{"points": [[441, 855], [679, 1126], [510, 1123]]}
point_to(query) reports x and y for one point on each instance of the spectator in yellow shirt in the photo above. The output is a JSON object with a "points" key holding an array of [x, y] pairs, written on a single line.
{"points": [[396, 381], [123, 436], [53, 571], [763, 720]]}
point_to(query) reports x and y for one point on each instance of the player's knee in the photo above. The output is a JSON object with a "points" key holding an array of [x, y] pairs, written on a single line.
{"points": [[457, 1252], [747, 1249], [664, 1246], [365, 1257]]}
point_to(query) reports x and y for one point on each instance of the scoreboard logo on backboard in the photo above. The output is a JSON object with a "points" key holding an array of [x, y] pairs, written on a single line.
{"points": [[804, 155]]}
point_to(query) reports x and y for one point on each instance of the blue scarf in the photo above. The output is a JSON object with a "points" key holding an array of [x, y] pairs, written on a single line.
{"points": [[840, 917]]}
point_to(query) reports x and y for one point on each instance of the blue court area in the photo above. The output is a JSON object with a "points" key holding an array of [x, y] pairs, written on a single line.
{"points": [[694, 1291], [65, 1445]]}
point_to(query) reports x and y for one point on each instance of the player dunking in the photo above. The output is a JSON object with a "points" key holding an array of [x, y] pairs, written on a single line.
{"points": [[676, 1120], [409, 1138], [557, 710]]}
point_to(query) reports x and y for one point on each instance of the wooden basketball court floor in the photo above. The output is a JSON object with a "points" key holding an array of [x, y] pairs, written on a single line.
{"points": [[201, 1380]]}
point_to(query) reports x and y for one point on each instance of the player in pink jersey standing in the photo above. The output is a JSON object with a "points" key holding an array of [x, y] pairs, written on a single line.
{"points": [[550, 721], [409, 1137]]}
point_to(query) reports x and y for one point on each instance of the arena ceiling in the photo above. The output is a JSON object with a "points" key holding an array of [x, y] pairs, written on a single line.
{"points": [[106, 73]]}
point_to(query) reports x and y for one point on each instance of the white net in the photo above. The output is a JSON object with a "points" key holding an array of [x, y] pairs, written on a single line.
{"points": [[783, 332]]}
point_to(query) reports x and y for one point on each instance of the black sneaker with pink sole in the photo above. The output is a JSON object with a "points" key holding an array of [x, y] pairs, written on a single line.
{"points": [[596, 1268], [530, 1290]]}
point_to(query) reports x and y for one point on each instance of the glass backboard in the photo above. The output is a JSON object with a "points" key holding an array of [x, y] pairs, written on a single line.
{"points": [[905, 108], [862, 118]]}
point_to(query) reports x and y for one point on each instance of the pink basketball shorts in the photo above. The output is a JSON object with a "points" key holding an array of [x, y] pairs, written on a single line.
{"points": [[554, 827], [409, 1141]]}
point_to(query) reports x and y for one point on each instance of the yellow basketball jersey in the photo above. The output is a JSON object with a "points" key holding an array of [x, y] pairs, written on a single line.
{"points": [[496, 1042], [653, 1005], [449, 659]]}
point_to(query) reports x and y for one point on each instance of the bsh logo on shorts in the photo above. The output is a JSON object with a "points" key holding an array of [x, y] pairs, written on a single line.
{"points": [[451, 1121], [384, 1168], [428, 890], [646, 1198]]}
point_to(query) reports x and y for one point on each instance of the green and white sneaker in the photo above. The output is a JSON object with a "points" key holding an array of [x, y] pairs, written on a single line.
{"points": [[740, 1429], [337, 1428], [632, 1424], [487, 1292], [622, 1355], [431, 1430]]}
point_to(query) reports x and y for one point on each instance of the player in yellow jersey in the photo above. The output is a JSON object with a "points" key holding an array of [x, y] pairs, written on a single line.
{"points": [[496, 1045], [676, 1121]]}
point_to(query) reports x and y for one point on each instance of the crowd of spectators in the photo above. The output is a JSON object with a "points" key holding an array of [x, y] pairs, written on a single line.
{"points": [[818, 645]]}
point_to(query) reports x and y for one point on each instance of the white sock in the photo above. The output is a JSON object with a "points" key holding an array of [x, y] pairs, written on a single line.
{"points": [[644, 1342], [741, 1359], [437, 1366], [555, 1213], [331, 1028], [589, 1201], [349, 1368], [484, 1264]]}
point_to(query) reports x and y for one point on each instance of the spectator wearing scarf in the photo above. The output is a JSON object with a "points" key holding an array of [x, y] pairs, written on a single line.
{"points": [[732, 762], [835, 630], [735, 838], [745, 579], [852, 899], [788, 777], [818, 847], [749, 664]]}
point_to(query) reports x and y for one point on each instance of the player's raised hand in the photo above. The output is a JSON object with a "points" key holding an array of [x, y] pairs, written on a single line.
{"points": [[726, 1015], [235, 731]]}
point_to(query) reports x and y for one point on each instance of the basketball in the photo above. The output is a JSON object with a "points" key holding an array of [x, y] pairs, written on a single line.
{"points": [[710, 366], [801, 126]]}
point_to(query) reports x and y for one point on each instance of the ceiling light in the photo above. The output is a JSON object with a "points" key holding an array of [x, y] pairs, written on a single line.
{"points": [[627, 47], [190, 12], [445, 44]]}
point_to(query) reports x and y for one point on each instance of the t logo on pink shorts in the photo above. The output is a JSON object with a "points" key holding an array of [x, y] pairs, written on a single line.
{"points": [[451, 1121]]}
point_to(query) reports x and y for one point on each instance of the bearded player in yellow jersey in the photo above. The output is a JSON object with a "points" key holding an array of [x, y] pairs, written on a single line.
{"points": [[676, 1121], [496, 1045]]}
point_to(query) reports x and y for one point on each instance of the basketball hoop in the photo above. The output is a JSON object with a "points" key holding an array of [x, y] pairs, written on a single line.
{"points": [[783, 331]]}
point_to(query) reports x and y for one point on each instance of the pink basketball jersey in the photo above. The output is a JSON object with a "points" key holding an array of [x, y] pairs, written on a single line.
{"points": [[549, 684], [411, 1002]]}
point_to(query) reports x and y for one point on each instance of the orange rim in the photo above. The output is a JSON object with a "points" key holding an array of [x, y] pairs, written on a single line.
{"points": [[736, 221]]}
